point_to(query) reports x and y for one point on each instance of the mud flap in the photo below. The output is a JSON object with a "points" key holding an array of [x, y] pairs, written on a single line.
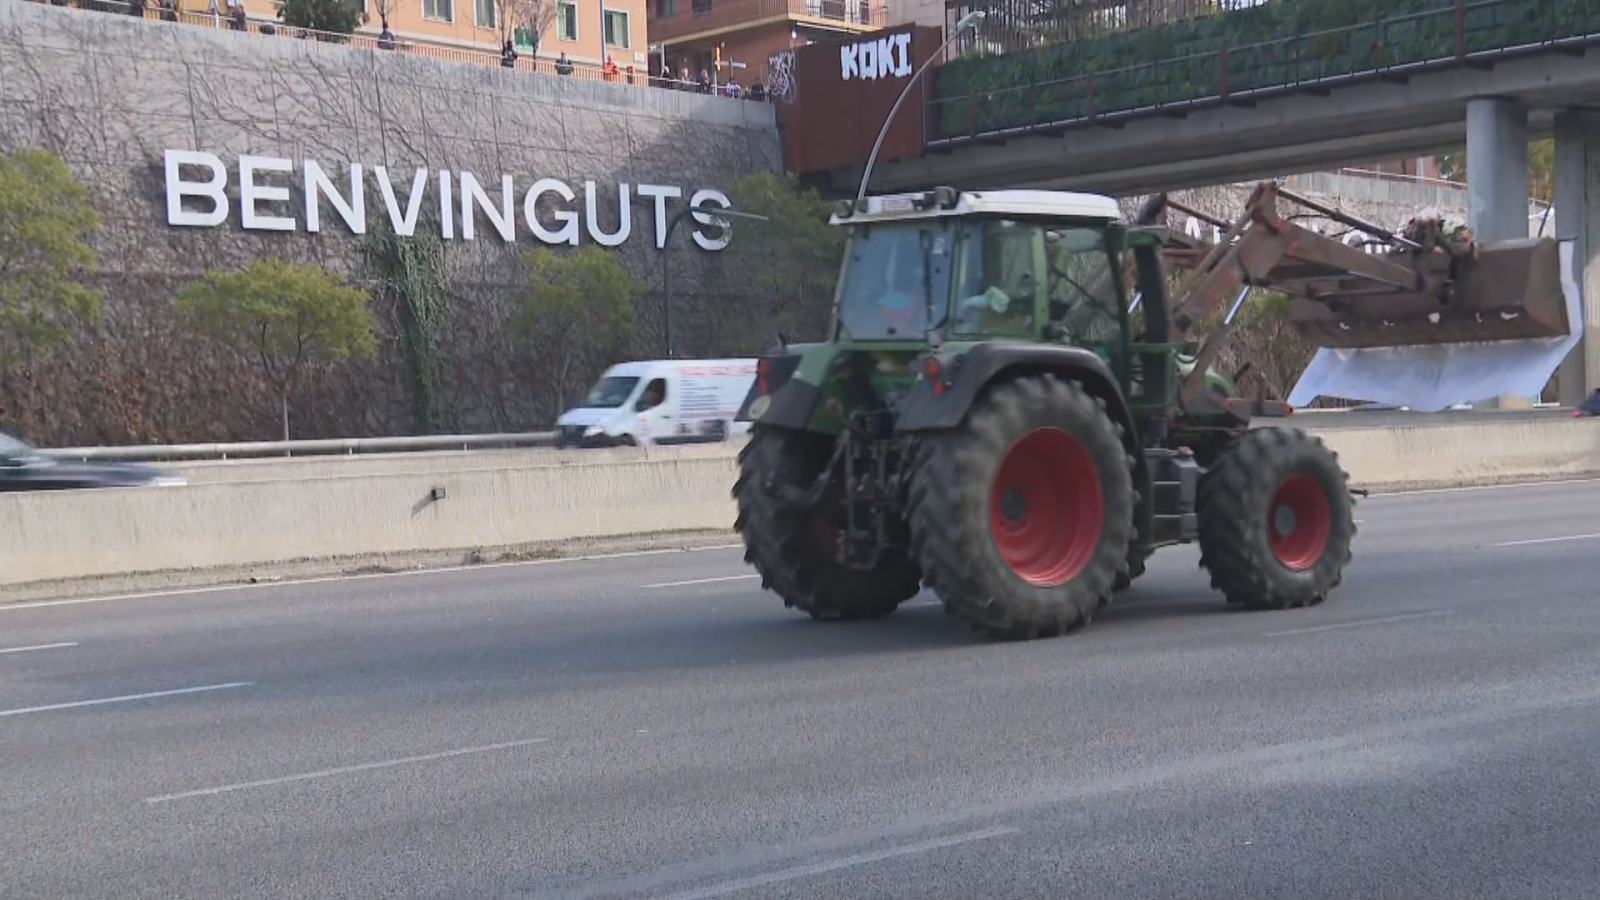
{"points": [[1433, 377]]}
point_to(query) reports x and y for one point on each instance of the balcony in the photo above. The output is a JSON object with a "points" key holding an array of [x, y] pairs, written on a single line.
{"points": [[675, 20]]}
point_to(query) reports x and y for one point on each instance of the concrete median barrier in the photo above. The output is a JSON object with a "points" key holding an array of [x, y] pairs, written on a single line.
{"points": [[1467, 454], [412, 507], [335, 514]]}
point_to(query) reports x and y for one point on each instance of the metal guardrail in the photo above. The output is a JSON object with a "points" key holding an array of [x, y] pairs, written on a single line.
{"points": [[1367, 417], [330, 447]]}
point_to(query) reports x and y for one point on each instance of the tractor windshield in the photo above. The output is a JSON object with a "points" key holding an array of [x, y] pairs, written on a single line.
{"points": [[896, 282]]}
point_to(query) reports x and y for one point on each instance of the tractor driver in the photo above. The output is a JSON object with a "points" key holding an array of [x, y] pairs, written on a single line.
{"points": [[904, 300], [997, 282]]}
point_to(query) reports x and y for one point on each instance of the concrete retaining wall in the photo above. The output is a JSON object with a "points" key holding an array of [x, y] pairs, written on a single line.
{"points": [[264, 513]]}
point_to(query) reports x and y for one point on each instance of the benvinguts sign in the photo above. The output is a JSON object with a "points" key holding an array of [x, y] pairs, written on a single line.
{"points": [[460, 197]]}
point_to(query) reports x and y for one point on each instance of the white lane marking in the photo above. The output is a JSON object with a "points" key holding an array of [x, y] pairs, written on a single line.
{"points": [[344, 770], [1378, 621], [667, 584], [845, 862], [1548, 540], [325, 579], [62, 646], [1483, 487], [127, 698]]}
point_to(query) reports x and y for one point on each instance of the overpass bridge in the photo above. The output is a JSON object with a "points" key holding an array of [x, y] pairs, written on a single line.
{"points": [[1247, 94], [1234, 111]]}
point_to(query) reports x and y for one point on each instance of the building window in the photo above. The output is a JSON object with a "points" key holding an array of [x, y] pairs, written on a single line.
{"points": [[523, 40], [566, 21], [483, 12], [442, 10], [701, 7], [616, 28], [664, 9]]}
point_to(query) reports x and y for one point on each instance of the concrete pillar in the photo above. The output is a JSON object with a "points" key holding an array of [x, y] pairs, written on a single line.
{"points": [[1577, 202], [1498, 184]]}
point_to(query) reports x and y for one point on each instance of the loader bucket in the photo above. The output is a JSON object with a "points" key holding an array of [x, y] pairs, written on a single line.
{"points": [[1496, 291]]}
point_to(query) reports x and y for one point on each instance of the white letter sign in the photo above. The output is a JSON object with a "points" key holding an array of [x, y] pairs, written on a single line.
{"points": [[530, 211], [319, 185], [624, 224], [177, 189], [461, 194], [662, 193], [251, 193], [714, 198]]}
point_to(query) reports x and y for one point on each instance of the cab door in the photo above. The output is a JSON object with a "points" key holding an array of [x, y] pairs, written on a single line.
{"points": [[653, 411]]}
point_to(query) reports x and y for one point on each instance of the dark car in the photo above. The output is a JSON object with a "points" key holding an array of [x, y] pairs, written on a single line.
{"points": [[22, 468], [1589, 407]]}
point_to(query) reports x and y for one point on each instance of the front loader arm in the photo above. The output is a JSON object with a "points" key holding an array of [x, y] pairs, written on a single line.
{"points": [[1342, 295], [1250, 248]]}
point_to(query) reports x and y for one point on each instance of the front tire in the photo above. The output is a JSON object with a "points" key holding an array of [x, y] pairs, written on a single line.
{"points": [[1021, 519], [795, 549], [1258, 557]]}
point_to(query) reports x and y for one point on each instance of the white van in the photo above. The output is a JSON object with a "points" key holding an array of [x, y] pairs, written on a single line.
{"points": [[655, 402]]}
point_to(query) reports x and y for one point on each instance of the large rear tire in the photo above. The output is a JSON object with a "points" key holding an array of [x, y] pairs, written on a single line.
{"points": [[795, 549], [1021, 519], [1277, 520], [1137, 556]]}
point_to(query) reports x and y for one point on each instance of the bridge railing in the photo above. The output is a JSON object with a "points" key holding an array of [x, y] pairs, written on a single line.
{"points": [[996, 97]]}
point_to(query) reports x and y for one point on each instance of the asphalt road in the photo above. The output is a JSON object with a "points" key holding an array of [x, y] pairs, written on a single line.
{"points": [[654, 726]]}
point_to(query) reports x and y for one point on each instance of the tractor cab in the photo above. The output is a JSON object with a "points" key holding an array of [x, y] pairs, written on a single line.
{"points": [[946, 266]]}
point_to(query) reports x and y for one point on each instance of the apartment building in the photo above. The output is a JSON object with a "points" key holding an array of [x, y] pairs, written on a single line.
{"points": [[588, 31], [734, 39]]}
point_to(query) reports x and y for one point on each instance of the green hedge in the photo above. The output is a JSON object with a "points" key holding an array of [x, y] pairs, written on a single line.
{"points": [[1277, 43]]}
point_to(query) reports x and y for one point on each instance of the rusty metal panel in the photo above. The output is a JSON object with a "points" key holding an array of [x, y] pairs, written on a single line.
{"points": [[833, 98]]}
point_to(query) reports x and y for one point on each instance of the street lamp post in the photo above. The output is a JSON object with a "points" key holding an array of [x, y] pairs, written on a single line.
{"points": [[970, 20], [666, 267]]}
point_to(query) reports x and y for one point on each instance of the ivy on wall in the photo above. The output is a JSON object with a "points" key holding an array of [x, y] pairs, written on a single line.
{"points": [[1278, 43], [410, 280]]}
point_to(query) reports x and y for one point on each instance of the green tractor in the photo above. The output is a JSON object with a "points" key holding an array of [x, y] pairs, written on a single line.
{"points": [[989, 419]]}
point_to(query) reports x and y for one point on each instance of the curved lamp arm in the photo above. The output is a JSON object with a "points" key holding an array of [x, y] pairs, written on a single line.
{"points": [[970, 20]]}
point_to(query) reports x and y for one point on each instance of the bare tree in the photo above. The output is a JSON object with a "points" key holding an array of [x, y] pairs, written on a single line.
{"points": [[385, 9], [533, 17]]}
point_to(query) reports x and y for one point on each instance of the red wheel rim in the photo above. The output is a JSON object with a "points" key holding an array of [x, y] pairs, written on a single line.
{"points": [[1046, 511], [1303, 543]]}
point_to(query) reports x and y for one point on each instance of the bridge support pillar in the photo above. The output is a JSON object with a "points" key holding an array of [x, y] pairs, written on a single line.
{"points": [[1497, 184], [1577, 203]]}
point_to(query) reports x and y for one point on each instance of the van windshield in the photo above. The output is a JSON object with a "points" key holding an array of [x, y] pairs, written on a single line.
{"points": [[611, 392]]}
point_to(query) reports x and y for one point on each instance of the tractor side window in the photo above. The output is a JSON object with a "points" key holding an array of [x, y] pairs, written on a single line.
{"points": [[654, 394], [1083, 291], [999, 280]]}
